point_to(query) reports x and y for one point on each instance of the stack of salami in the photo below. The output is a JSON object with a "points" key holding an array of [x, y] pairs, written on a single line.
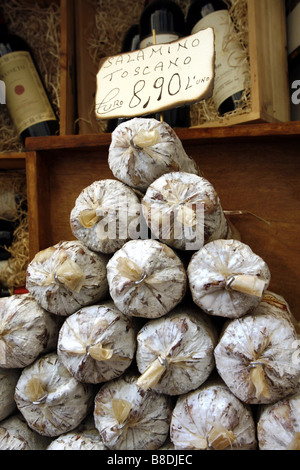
{"points": [[154, 328]]}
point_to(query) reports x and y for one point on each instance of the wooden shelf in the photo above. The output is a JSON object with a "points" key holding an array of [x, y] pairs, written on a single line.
{"points": [[194, 135], [12, 161]]}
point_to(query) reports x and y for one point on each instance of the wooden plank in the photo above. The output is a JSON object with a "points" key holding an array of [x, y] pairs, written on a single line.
{"points": [[268, 59], [13, 160], [67, 69], [86, 69], [264, 131], [38, 198], [75, 141]]}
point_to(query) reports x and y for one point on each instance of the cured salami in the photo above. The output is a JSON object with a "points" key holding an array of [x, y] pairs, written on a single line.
{"points": [[175, 352], [105, 214], [8, 382], [97, 343], [146, 279], [184, 211], [278, 426], [88, 439], [50, 399], [255, 354], [129, 418], [212, 418], [67, 276], [227, 279], [27, 330], [142, 149], [15, 434]]}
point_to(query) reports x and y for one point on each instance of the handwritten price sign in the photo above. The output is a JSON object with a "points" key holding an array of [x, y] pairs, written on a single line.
{"points": [[156, 78]]}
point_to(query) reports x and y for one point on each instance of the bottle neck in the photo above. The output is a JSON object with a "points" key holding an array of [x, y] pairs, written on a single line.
{"points": [[163, 16], [200, 8], [131, 39]]}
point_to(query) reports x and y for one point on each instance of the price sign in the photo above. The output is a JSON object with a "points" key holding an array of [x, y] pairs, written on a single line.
{"points": [[156, 78]]}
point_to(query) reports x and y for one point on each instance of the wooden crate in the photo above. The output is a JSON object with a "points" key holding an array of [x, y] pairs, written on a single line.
{"points": [[66, 70], [268, 62], [270, 99], [252, 167]]}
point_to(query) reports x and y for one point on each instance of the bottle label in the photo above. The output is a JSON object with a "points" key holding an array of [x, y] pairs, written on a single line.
{"points": [[160, 39], [26, 98], [231, 65]]}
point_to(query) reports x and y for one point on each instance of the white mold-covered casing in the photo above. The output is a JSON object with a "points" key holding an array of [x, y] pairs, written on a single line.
{"points": [[67, 276], [214, 272], [26, 331], [212, 418], [129, 418], [97, 343], [146, 279], [50, 399], [143, 149], [184, 211], [256, 355], [175, 352], [105, 215]]}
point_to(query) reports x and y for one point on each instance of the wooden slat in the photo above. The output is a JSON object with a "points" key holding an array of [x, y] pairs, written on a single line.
{"points": [[13, 160], [197, 135], [38, 199], [268, 59], [86, 69], [67, 69]]}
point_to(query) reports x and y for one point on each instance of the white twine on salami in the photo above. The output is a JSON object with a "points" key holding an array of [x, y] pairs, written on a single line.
{"points": [[244, 212], [36, 391], [144, 139], [88, 218], [129, 269], [152, 375], [121, 409], [65, 271], [219, 438], [246, 284], [99, 353], [258, 379]]}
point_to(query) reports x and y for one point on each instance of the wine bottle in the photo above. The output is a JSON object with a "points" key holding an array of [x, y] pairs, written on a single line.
{"points": [[26, 97], [131, 39], [7, 229], [231, 67], [162, 21], [5, 242]]}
